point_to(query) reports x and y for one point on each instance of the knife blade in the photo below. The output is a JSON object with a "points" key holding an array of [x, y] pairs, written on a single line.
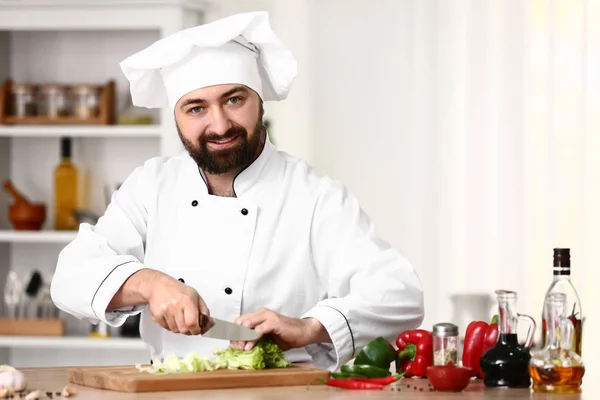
{"points": [[227, 330]]}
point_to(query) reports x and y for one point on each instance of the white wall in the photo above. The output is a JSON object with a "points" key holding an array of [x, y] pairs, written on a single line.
{"points": [[362, 104], [291, 119]]}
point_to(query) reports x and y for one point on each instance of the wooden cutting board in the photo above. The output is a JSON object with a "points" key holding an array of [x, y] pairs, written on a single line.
{"points": [[129, 379]]}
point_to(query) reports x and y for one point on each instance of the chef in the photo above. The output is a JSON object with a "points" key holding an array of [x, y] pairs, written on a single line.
{"points": [[233, 227]]}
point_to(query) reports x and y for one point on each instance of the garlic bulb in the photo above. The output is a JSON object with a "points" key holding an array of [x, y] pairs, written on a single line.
{"points": [[12, 378]]}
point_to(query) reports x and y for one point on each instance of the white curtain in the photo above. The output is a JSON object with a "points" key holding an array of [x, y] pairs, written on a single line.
{"points": [[515, 91], [511, 98], [470, 130]]}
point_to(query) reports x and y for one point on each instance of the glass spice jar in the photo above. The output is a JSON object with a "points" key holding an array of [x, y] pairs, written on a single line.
{"points": [[55, 101], [86, 101], [445, 344], [24, 100]]}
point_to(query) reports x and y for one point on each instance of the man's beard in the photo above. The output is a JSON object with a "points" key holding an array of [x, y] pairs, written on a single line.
{"points": [[216, 162]]}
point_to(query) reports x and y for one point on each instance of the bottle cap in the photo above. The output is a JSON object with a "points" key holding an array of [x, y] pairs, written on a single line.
{"points": [[65, 147], [445, 329], [562, 261]]}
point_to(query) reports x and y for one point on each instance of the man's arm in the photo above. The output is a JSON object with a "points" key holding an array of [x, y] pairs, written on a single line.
{"points": [[318, 333], [373, 290], [135, 290], [93, 267]]}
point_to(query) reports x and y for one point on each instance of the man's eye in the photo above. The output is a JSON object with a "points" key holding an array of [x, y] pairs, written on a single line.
{"points": [[234, 100], [195, 110]]}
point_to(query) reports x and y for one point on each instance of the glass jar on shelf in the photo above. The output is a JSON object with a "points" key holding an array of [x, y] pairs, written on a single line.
{"points": [[23, 100], [445, 344], [55, 101], [86, 101]]}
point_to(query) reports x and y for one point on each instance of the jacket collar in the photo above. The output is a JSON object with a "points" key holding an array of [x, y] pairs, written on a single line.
{"points": [[247, 178]]}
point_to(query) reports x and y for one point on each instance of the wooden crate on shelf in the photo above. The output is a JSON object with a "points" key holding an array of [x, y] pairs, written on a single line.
{"points": [[105, 114], [32, 327]]}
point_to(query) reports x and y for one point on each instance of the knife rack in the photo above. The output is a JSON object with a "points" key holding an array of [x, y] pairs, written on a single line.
{"points": [[32, 327]]}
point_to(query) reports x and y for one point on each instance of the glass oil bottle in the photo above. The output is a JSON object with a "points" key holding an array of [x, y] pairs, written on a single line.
{"points": [[561, 283], [557, 368], [66, 190]]}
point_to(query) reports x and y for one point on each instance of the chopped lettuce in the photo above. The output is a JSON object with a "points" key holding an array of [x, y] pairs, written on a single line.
{"points": [[273, 356], [240, 359], [265, 354]]}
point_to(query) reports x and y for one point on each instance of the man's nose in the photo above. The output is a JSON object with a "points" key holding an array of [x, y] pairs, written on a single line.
{"points": [[219, 121]]}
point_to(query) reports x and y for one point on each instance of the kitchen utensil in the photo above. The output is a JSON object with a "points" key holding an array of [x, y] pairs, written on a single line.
{"points": [[29, 303], [23, 214], [129, 379], [12, 294], [227, 330], [45, 306]]}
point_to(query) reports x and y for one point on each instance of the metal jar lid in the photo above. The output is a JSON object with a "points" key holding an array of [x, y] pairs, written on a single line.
{"points": [[445, 329]]}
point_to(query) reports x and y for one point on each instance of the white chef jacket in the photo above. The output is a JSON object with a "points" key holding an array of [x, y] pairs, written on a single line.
{"points": [[291, 240]]}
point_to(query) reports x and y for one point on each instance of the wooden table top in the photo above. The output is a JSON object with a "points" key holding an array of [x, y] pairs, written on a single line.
{"points": [[55, 379]]}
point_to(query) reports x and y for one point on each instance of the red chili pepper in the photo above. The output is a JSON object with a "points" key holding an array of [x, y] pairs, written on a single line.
{"points": [[379, 381], [479, 338], [353, 384], [415, 352]]}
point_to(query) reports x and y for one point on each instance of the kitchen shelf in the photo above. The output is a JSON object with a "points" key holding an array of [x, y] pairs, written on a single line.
{"points": [[100, 131], [37, 236], [71, 342], [87, 40]]}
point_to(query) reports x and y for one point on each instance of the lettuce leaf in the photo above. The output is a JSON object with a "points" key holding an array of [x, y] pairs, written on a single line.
{"points": [[265, 354]]}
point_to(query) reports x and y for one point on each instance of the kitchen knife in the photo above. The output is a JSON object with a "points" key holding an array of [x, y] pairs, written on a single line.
{"points": [[227, 330]]}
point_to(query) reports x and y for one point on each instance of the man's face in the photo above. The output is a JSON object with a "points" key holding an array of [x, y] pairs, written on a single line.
{"points": [[221, 127]]}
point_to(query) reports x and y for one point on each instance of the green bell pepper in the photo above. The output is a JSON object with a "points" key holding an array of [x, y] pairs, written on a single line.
{"points": [[366, 371], [341, 375], [378, 353]]}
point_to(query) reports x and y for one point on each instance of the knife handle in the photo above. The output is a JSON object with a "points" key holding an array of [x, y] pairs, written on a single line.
{"points": [[204, 321]]}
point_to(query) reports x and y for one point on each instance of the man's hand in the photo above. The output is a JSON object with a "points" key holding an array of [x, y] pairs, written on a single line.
{"points": [[288, 333], [174, 305]]}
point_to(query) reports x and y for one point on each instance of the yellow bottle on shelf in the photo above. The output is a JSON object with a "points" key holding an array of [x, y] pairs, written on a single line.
{"points": [[66, 191]]}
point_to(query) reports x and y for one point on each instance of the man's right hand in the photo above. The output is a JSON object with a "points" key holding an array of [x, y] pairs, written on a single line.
{"points": [[176, 306]]}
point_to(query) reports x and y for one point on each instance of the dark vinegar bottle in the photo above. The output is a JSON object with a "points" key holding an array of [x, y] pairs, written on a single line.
{"points": [[507, 363]]}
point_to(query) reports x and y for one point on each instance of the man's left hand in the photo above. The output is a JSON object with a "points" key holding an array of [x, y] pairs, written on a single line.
{"points": [[288, 333]]}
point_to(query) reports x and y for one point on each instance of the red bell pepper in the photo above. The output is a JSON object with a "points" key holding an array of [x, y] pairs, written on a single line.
{"points": [[415, 352], [479, 338]]}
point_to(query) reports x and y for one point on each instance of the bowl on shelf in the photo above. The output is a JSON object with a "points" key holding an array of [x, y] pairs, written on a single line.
{"points": [[449, 378], [27, 217]]}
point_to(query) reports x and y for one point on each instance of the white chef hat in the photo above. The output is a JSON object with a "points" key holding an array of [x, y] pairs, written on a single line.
{"points": [[240, 49]]}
